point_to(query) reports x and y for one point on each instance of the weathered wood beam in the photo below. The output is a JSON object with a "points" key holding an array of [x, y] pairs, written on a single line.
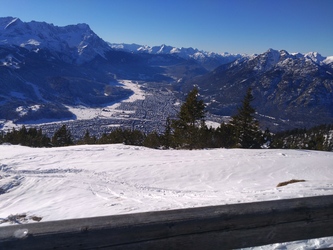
{"points": [[214, 227]]}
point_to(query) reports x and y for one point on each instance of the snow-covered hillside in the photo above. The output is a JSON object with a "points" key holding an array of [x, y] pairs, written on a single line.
{"points": [[87, 181]]}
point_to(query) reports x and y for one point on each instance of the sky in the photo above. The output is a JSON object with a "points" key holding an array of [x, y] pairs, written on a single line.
{"points": [[234, 26]]}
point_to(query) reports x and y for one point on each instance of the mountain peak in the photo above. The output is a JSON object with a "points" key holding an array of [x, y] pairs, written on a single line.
{"points": [[315, 56], [209, 60], [83, 26], [78, 42], [270, 50], [6, 22]]}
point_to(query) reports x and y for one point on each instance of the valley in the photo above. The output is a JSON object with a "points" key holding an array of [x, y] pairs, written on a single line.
{"points": [[146, 110], [69, 75]]}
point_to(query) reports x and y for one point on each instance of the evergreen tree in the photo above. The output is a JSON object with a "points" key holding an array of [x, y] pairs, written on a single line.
{"points": [[133, 137], [42, 140], [87, 139], [36, 138], [316, 138], [153, 140], [246, 127], [166, 138], [12, 137], [103, 139], [24, 137], [62, 137], [2, 136], [224, 136], [125, 136], [116, 136], [190, 119]]}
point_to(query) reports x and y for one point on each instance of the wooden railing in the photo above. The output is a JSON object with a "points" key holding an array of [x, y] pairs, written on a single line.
{"points": [[214, 227]]}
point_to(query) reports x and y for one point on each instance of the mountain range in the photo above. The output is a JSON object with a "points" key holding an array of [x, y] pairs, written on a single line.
{"points": [[44, 69], [209, 60], [293, 90]]}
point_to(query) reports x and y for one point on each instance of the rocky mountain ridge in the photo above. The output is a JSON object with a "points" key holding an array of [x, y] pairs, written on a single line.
{"points": [[290, 88], [72, 43], [209, 60]]}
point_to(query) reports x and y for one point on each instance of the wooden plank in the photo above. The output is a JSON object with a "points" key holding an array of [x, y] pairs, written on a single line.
{"points": [[215, 227]]}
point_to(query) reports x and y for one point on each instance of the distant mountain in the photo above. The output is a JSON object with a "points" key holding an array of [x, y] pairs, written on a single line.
{"points": [[73, 43], [209, 60], [290, 90], [45, 69]]}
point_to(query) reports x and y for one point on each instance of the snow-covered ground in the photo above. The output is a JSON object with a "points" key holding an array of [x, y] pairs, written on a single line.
{"points": [[84, 113], [97, 180]]}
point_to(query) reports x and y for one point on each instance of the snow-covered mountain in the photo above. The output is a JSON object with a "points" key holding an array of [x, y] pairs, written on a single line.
{"points": [[46, 68], [73, 43], [43, 68], [209, 60], [294, 89]]}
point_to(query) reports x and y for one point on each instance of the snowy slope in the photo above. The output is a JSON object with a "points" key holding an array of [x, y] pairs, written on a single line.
{"points": [[87, 181]]}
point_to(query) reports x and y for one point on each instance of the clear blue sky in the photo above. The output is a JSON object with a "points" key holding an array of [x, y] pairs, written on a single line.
{"points": [[235, 26]]}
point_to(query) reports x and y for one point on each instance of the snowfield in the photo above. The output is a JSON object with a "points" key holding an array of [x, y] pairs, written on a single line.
{"points": [[83, 113], [97, 180]]}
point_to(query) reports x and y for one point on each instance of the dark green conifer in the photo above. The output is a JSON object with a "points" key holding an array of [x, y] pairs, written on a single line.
{"points": [[190, 120], [246, 127], [166, 138], [224, 136], [62, 137], [153, 140], [87, 139]]}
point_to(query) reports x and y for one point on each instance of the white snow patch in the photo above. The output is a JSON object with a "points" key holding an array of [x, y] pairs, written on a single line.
{"points": [[10, 61], [8, 125], [96, 180], [23, 110], [30, 42], [13, 21], [328, 60], [83, 113], [266, 116], [211, 124]]}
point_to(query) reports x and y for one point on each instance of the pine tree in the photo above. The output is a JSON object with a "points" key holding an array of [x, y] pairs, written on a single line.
{"points": [[87, 139], [166, 138], [224, 136], [2, 136], [23, 136], [153, 140], [42, 140], [190, 119], [246, 127], [62, 137], [133, 137]]}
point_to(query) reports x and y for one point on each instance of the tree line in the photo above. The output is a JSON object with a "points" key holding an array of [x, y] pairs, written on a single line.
{"points": [[188, 130]]}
